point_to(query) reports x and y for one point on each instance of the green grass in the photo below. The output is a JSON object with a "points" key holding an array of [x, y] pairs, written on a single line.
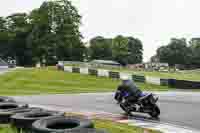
{"points": [[7, 129], [191, 76], [113, 127], [50, 81], [184, 75]]}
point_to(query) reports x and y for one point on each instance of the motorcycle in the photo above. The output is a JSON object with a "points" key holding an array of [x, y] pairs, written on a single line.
{"points": [[118, 96], [146, 104]]}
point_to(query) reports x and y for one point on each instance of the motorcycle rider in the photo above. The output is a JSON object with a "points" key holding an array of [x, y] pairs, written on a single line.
{"points": [[130, 94], [128, 87]]}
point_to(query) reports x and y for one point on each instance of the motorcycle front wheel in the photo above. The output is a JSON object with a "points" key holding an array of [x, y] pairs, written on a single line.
{"points": [[155, 112], [126, 110]]}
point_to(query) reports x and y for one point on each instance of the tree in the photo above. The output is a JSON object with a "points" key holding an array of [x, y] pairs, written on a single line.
{"points": [[4, 37], [195, 51], [55, 32], [120, 49], [18, 30], [135, 49], [100, 48], [41, 38], [127, 50], [176, 52], [68, 37]]}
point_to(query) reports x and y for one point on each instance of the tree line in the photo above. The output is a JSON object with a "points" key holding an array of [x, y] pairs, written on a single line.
{"points": [[179, 51], [125, 50], [50, 33]]}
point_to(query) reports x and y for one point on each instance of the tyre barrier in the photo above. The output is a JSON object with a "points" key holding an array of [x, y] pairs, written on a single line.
{"points": [[83, 130], [6, 99], [164, 82], [182, 84], [153, 80], [84, 71], [61, 124], [25, 120], [6, 115], [37, 120], [67, 68], [10, 106], [172, 82], [93, 72], [75, 70], [114, 75], [138, 78], [103, 73]]}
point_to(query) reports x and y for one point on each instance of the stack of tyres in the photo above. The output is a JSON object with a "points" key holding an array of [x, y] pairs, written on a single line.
{"points": [[66, 124], [76, 70], [7, 109], [114, 75], [183, 84], [37, 120], [139, 78], [93, 72], [6, 114], [9, 106], [24, 120], [164, 82], [6, 99], [172, 82]]}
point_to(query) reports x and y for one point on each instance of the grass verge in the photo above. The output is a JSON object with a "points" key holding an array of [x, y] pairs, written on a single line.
{"points": [[113, 127], [109, 126], [50, 81]]}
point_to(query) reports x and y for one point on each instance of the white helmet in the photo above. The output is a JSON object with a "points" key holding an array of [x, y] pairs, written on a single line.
{"points": [[125, 77]]}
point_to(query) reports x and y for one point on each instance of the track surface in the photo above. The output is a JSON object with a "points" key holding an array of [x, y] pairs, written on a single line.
{"points": [[177, 108]]}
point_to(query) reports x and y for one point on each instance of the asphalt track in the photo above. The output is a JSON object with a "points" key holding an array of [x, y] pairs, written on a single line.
{"points": [[177, 108]]}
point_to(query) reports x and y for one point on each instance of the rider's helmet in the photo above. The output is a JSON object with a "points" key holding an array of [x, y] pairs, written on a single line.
{"points": [[125, 79]]}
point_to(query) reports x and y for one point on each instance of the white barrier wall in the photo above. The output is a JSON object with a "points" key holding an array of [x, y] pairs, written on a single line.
{"points": [[153, 80], [67, 68], [125, 74], [103, 73], [84, 70], [3, 67]]}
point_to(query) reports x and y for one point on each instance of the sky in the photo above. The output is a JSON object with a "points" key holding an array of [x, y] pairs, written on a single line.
{"points": [[154, 22]]}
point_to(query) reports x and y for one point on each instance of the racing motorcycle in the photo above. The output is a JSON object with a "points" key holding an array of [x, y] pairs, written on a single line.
{"points": [[146, 104]]}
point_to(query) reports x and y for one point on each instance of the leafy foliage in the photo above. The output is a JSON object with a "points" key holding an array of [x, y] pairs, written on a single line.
{"points": [[50, 32], [179, 51], [125, 50]]}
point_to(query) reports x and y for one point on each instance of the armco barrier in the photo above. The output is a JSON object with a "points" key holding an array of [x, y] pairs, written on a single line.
{"points": [[138, 78], [171, 82], [75, 70], [164, 82], [93, 72], [84, 71], [103, 73], [114, 75], [182, 84], [153, 80], [67, 68]]}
